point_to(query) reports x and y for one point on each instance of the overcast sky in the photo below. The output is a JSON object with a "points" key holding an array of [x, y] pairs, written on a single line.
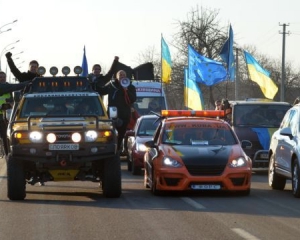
{"points": [[55, 32]]}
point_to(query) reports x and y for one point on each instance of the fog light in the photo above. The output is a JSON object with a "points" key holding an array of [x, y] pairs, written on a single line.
{"points": [[94, 149], [32, 150]]}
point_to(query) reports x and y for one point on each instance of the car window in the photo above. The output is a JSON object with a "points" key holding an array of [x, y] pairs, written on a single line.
{"points": [[61, 105], [259, 115], [147, 127], [211, 135]]}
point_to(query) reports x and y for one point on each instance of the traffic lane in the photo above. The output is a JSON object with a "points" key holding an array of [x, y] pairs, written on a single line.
{"points": [[77, 210]]}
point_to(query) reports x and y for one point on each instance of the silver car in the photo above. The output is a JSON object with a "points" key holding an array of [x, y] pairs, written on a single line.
{"points": [[284, 153]]}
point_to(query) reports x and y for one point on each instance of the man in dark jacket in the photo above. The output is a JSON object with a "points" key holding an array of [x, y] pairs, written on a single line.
{"points": [[122, 98], [24, 76], [97, 79]]}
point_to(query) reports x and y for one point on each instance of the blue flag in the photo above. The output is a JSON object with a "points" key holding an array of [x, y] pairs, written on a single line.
{"points": [[203, 69], [227, 55], [84, 65]]}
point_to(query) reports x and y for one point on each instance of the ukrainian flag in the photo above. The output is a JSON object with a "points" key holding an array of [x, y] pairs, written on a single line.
{"points": [[192, 94], [166, 63], [260, 76]]}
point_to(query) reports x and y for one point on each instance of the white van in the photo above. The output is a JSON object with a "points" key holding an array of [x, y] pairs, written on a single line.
{"points": [[150, 97]]}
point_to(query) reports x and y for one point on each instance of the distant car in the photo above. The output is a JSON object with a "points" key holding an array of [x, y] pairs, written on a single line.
{"points": [[284, 153], [255, 120], [142, 132], [196, 153]]}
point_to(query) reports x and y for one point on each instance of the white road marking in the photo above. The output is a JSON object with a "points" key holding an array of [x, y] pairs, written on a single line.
{"points": [[193, 203], [244, 234]]}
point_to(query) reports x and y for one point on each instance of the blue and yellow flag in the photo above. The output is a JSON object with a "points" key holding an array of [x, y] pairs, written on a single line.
{"points": [[166, 63], [84, 65], [260, 76], [204, 70], [227, 55], [192, 94]]}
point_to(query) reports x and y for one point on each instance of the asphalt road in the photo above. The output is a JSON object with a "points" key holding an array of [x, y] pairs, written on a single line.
{"points": [[77, 210]]}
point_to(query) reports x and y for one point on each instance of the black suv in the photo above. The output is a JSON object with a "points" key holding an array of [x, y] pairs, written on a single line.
{"points": [[255, 120], [59, 130]]}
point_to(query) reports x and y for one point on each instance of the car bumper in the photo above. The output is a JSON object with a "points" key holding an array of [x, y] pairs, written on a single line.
{"points": [[42, 154], [181, 180]]}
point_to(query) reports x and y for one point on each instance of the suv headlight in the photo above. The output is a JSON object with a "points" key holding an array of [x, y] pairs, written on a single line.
{"points": [[36, 137], [90, 136]]}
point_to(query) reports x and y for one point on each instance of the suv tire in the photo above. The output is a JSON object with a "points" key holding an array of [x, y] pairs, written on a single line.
{"points": [[112, 177], [16, 184]]}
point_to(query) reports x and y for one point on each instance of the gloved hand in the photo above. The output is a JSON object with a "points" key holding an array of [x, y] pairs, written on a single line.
{"points": [[8, 55]]}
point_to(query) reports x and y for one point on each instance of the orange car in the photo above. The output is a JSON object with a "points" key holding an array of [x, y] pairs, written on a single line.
{"points": [[195, 150]]}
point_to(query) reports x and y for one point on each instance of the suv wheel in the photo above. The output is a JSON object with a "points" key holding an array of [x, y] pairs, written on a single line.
{"points": [[16, 184], [112, 177], [296, 179], [275, 181]]}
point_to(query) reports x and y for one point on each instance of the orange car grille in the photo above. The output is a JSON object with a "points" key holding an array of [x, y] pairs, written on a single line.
{"points": [[203, 170]]}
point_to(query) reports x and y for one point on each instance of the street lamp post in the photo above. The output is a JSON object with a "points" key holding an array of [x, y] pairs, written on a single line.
{"points": [[6, 30], [5, 50]]}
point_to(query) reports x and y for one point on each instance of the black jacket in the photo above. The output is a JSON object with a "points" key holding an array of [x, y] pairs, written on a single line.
{"points": [[101, 80], [117, 98], [21, 77], [9, 88]]}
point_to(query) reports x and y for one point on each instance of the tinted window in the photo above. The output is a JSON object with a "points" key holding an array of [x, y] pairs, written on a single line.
{"points": [[259, 115]]}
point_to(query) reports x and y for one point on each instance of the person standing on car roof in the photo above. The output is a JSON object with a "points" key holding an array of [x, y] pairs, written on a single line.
{"points": [[122, 97], [97, 79], [22, 76]]}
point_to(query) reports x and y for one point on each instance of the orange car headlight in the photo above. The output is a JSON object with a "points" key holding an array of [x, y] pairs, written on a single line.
{"points": [[170, 162], [238, 162]]}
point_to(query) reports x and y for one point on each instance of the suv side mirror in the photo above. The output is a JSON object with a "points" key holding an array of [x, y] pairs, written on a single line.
{"points": [[113, 112]]}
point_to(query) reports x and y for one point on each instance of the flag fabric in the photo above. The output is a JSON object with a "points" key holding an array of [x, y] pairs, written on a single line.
{"points": [[192, 94], [264, 136], [144, 71], [227, 55], [84, 65], [203, 69], [166, 63], [260, 76]]}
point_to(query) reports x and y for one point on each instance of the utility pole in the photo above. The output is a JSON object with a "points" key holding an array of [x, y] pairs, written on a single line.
{"points": [[283, 61], [236, 74]]}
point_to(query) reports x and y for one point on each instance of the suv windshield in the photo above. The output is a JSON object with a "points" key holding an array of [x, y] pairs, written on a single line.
{"points": [[58, 105], [259, 115]]}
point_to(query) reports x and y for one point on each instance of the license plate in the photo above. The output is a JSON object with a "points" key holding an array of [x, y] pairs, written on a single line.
{"points": [[205, 187], [264, 156], [60, 147]]}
